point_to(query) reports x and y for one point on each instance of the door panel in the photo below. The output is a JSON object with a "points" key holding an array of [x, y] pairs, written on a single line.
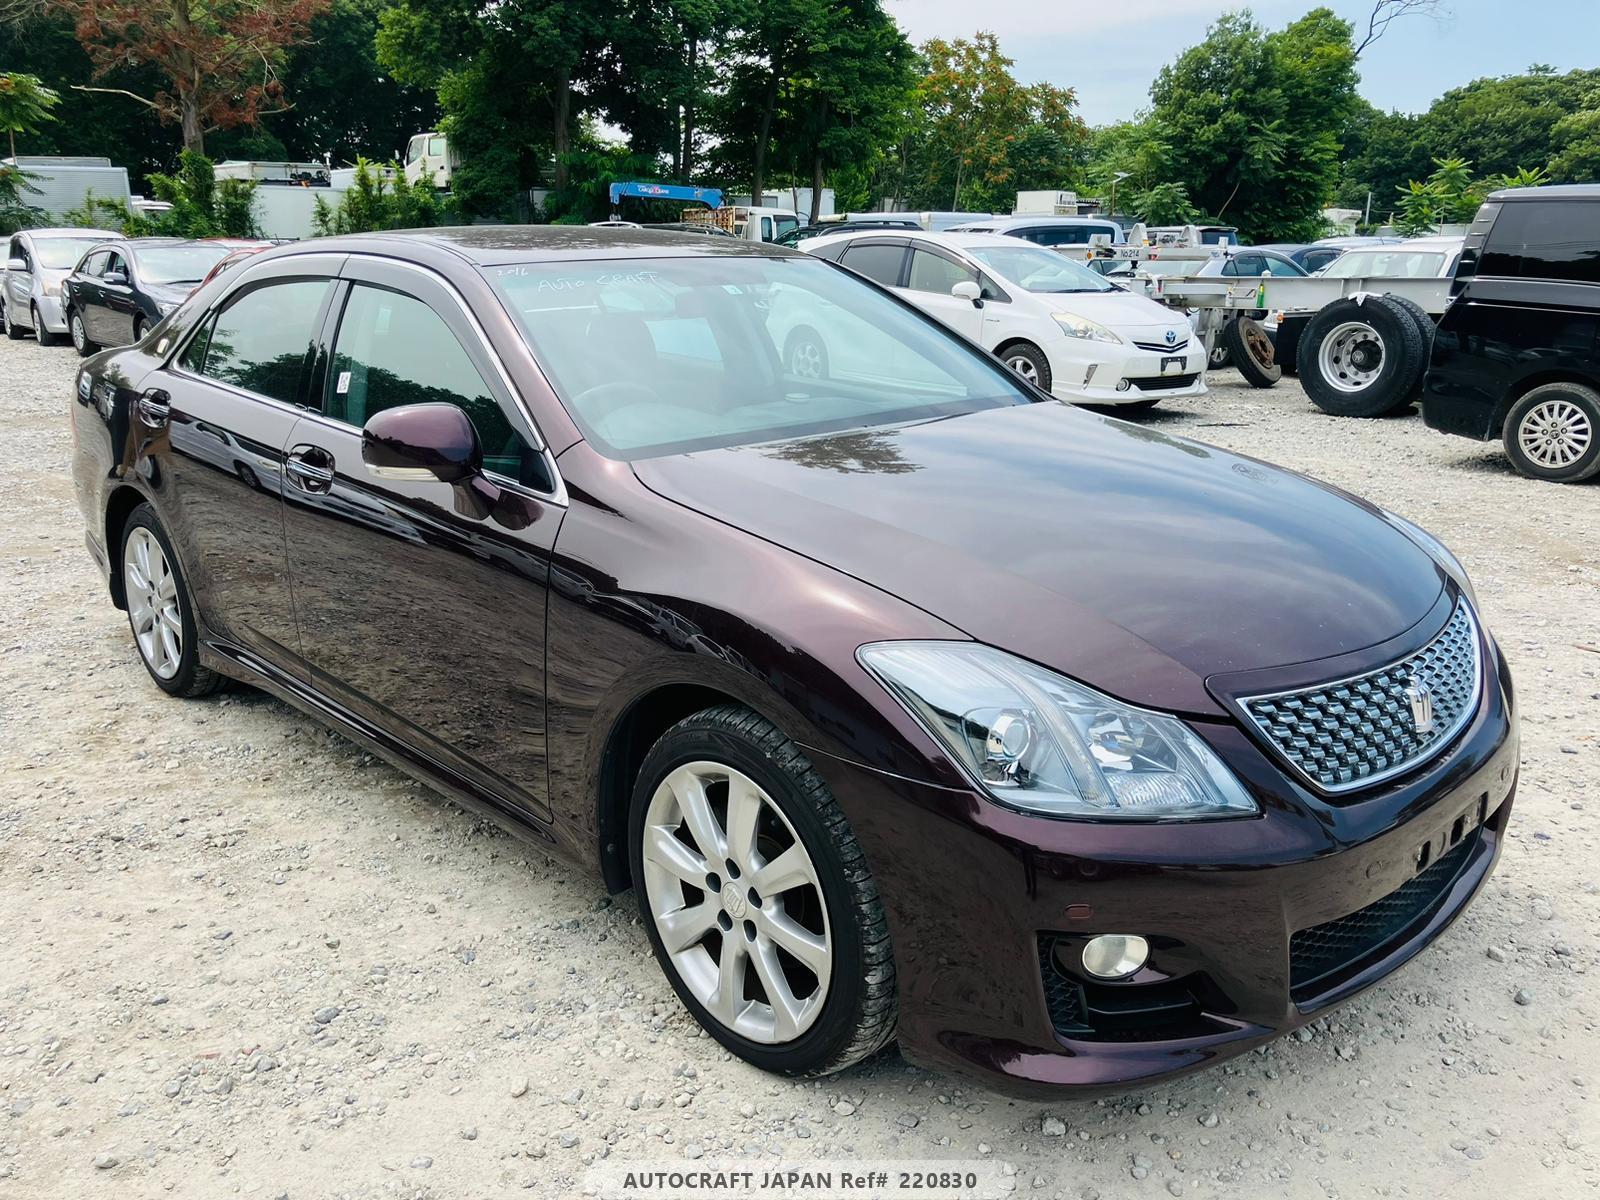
{"points": [[928, 287], [117, 307], [231, 396], [421, 604]]}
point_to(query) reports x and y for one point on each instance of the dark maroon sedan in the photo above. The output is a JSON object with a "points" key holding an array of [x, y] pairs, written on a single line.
{"points": [[910, 702]]}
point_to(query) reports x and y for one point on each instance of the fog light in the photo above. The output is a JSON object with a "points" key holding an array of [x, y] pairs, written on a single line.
{"points": [[1123, 385], [1115, 955]]}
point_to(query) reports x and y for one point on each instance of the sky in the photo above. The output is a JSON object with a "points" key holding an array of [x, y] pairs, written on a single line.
{"points": [[1110, 50]]}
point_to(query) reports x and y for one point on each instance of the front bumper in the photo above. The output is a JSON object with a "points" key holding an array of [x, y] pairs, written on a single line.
{"points": [[1256, 925], [52, 313], [1091, 374]]}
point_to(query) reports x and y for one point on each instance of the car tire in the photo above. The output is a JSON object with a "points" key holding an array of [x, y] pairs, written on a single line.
{"points": [[161, 609], [79, 334], [1219, 358], [139, 330], [43, 335], [805, 356], [1250, 349], [1360, 358], [13, 331], [1029, 361], [828, 906], [1553, 433]]}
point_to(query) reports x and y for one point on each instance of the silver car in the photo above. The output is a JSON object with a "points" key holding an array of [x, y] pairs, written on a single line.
{"points": [[38, 262]]}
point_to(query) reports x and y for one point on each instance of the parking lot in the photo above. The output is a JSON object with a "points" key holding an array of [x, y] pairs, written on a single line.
{"points": [[242, 957]]}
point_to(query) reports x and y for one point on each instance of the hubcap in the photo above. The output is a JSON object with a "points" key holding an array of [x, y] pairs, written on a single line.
{"points": [[1351, 356], [806, 361], [1024, 367], [152, 591], [1555, 433], [737, 902]]}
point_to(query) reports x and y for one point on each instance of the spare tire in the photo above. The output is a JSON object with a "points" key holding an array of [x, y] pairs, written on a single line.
{"points": [[1425, 328], [1251, 351], [1360, 358]]}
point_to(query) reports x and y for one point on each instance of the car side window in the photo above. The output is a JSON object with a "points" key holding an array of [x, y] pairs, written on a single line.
{"points": [[1545, 239], [95, 264], [1058, 235], [1278, 266], [262, 340], [393, 349], [19, 249], [1245, 264], [934, 273], [115, 262], [879, 263]]}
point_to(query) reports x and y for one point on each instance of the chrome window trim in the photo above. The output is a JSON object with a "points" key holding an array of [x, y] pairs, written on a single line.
{"points": [[1446, 737], [558, 496]]}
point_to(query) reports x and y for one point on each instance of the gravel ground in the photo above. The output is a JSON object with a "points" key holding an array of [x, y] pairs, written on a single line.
{"points": [[243, 957]]}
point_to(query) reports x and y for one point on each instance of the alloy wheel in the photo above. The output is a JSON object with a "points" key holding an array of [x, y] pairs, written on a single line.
{"points": [[737, 902], [79, 337], [1555, 434], [1023, 366], [1351, 356], [805, 360], [153, 605]]}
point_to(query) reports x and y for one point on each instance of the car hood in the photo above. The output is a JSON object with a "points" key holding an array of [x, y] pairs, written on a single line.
{"points": [[1116, 309], [1136, 562]]}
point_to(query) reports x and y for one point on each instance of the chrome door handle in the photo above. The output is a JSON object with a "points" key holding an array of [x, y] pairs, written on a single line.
{"points": [[310, 468], [155, 406]]}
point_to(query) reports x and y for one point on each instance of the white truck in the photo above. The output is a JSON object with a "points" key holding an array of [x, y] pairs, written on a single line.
{"points": [[63, 184], [430, 156]]}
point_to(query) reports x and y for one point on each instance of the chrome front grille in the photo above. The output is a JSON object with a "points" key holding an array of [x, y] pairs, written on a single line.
{"points": [[1355, 732], [1165, 347]]}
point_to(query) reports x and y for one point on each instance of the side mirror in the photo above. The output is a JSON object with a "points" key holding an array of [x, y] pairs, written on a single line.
{"points": [[422, 441], [968, 290], [17, 265], [115, 278]]}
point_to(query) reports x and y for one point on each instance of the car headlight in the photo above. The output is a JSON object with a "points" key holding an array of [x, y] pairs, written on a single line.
{"points": [[1081, 327], [166, 306], [52, 287], [1436, 550], [1038, 741]]}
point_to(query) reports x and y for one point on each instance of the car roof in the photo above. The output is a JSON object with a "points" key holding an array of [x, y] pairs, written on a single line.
{"points": [[490, 245], [931, 237], [1559, 191], [1041, 219], [68, 231]]}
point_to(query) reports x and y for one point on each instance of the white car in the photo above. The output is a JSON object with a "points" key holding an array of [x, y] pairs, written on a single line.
{"points": [[1414, 258], [1053, 321], [38, 262]]}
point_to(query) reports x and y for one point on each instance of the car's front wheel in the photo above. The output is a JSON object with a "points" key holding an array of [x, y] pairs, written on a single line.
{"points": [[161, 610], [80, 334], [1554, 433], [757, 898], [43, 335], [1028, 361]]}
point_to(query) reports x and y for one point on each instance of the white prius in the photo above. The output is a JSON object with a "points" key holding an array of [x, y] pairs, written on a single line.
{"points": [[1052, 320]]}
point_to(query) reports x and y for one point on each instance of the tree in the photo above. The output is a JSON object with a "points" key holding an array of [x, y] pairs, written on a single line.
{"points": [[219, 60], [1503, 124], [979, 134], [25, 104], [15, 211], [369, 204], [1253, 121], [1576, 139], [1386, 12]]}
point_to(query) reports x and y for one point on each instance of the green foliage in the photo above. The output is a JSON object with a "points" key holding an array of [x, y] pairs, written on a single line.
{"points": [[25, 105], [15, 211], [591, 170], [371, 204], [1163, 204], [978, 136], [1451, 196], [102, 212], [1252, 121], [1576, 139]]}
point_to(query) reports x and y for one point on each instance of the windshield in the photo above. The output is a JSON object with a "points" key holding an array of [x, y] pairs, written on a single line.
{"points": [[61, 254], [1392, 262], [664, 355], [1036, 270], [179, 264]]}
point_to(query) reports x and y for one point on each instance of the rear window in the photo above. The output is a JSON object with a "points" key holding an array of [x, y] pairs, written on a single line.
{"points": [[1545, 239]]}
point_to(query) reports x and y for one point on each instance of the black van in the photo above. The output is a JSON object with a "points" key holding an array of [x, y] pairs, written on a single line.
{"points": [[1517, 353]]}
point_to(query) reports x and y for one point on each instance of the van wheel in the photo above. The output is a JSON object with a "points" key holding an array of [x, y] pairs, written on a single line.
{"points": [[1028, 361], [1554, 433], [756, 896], [1250, 349], [1360, 358]]}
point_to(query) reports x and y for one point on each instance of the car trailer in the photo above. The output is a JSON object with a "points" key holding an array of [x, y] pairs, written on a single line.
{"points": [[1360, 345]]}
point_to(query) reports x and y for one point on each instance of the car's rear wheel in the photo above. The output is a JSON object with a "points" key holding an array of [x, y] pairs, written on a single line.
{"points": [[1554, 433], [161, 609], [80, 335], [756, 897], [1028, 361], [45, 337]]}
